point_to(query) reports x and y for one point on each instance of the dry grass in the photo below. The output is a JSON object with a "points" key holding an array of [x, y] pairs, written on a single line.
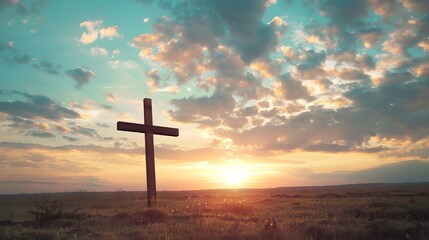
{"points": [[348, 212]]}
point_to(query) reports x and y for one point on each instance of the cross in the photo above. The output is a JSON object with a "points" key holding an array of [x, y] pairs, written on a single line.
{"points": [[149, 130]]}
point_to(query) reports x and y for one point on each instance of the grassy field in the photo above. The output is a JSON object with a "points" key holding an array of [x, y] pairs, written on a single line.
{"points": [[369, 211]]}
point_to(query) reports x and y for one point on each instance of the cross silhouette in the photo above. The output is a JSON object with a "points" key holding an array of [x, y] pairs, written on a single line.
{"points": [[149, 130]]}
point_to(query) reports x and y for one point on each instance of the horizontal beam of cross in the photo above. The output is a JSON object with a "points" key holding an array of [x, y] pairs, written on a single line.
{"points": [[135, 127]]}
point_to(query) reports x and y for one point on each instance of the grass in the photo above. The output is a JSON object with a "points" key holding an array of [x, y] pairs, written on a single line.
{"points": [[392, 211]]}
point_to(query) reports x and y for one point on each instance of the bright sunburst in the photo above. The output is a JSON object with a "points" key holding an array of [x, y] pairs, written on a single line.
{"points": [[234, 176]]}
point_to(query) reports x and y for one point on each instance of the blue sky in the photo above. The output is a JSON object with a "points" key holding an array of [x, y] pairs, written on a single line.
{"points": [[265, 93]]}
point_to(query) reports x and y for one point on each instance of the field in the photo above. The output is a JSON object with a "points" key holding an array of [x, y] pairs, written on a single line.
{"points": [[366, 211]]}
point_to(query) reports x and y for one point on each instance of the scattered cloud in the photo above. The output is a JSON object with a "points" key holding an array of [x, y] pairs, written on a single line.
{"points": [[41, 134], [21, 123], [88, 132], [195, 110], [71, 139], [165, 152], [94, 31], [322, 92], [103, 125], [110, 32], [80, 75], [129, 64], [116, 52], [20, 59], [27, 12], [154, 82], [47, 67], [92, 34], [36, 107], [42, 161], [8, 3], [291, 88], [416, 5], [9, 44], [16, 56], [111, 97], [98, 51]]}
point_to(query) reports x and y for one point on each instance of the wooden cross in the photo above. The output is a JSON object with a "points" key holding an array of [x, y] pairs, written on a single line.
{"points": [[149, 130]]}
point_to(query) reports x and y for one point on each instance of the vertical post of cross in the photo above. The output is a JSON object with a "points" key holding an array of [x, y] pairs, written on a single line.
{"points": [[150, 158], [149, 130]]}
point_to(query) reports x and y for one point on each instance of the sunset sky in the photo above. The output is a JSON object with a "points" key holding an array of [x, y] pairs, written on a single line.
{"points": [[265, 93]]}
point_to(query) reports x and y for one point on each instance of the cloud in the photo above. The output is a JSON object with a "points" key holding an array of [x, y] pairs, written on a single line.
{"points": [[406, 35], [344, 13], [80, 75], [347, 22], [385, 8], [311, 59], [86, 105], [165, 152], [322, 147], [16, 57], [418, 149], [92, 34], [334, 92], [89, 132], [70, 139], [110, 32], [88, 38], [37, 107], [32, 159], [249, 35], [393, 110], [47, 67], [102, 125], [7, 3], [31, 128], [416, 5], [346, 18], [371, 37], [26, 124], [10, 44], [98, 51], [196, 34], [291, 88], [20, 59], [111, 97], [398, 172], [154, 82], [153, 79], [61, 128], [169, 89], [94, 30], [194, 109], [129, 64], [351, 74], [116, 52], [43, 66], [41, 134], [27, 11], [398, 105]]}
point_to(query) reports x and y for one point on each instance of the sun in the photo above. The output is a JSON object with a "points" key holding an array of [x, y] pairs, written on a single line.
{"points": [[233, 177]]}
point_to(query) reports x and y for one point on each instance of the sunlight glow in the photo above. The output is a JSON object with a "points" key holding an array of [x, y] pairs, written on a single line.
{"points": [[234, 176]]}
